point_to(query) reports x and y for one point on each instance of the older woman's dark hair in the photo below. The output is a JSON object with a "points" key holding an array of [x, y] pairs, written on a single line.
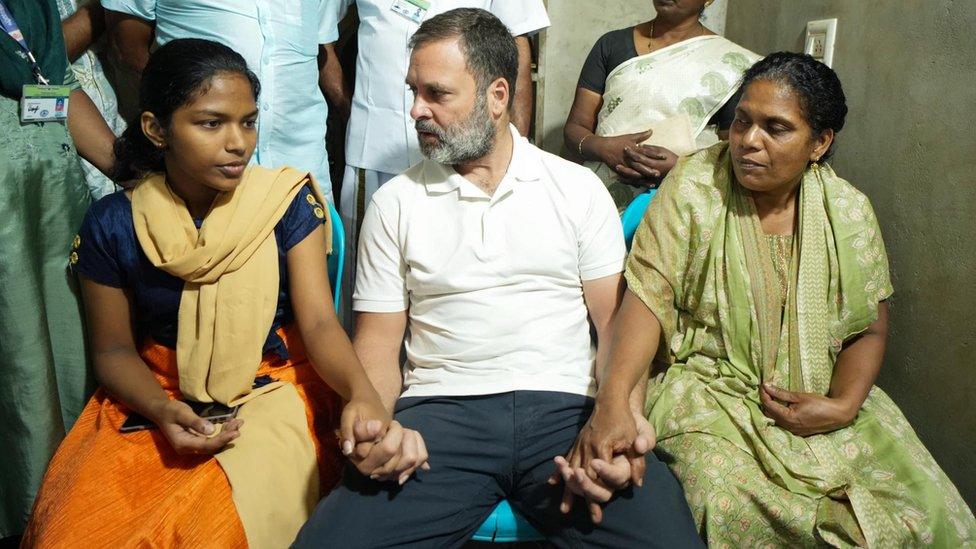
{"points": [[821, 95], [488, 46], [176, 73]]}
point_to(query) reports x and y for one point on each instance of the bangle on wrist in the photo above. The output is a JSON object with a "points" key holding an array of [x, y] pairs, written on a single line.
{"points": [[579, 146]]}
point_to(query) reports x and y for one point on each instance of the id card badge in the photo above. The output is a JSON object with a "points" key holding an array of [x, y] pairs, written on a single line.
{"points": [[40, 103], [414, 10]]}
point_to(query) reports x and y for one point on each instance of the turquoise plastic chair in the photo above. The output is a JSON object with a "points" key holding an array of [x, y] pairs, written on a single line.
{"points": [[503, 525], [632, 216], [337, 258]]}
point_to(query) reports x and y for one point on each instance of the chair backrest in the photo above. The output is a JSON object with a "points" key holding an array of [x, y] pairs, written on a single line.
{"points": [[632, 216], [337, 258]]}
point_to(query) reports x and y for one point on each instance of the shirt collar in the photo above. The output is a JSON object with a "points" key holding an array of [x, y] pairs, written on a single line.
{"points": [[523, 167]]}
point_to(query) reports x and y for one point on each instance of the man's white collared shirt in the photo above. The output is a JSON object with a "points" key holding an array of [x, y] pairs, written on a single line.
{"points": [[492, 284]]}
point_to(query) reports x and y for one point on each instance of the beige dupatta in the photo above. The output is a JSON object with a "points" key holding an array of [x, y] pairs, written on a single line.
{"points": [[230, 269]]}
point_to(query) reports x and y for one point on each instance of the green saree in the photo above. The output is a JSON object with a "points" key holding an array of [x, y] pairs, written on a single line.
{"points": [[730, 321]]}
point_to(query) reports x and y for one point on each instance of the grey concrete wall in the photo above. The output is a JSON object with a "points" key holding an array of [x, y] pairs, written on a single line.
{"points": [[909, 72], [576, 25]]}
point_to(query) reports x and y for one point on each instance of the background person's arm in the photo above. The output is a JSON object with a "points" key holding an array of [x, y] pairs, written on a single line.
{"points": [[82, 28], [522, 108], [130, 39], [621, 153], [332, 81], [89, 132]]}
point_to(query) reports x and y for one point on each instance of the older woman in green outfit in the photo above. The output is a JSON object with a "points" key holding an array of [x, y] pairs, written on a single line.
{"points": [[763, 277], [43, 196]]}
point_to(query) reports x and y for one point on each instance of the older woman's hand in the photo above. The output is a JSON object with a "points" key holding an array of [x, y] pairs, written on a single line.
{"points": [[805, 414], [597, 480]]}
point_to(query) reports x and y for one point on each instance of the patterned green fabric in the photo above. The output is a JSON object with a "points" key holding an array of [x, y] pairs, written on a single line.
{"points": [[702, 264], [44, 377]]}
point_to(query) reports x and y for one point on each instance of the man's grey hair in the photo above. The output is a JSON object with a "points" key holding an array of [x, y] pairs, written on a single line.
{"points": [[488, 46]]}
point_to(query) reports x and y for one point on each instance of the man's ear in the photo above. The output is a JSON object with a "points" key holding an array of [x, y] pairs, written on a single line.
{"points": [[498, 96]]}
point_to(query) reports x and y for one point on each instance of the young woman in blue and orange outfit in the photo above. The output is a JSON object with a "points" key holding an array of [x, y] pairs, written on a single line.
{"points": [[206, 282]]}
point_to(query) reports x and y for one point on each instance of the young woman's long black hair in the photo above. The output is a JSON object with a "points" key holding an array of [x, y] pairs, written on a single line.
{"points": [[174, 75]]}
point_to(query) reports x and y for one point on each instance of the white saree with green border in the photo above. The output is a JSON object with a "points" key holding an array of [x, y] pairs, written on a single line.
{"points": [[683, 85]]}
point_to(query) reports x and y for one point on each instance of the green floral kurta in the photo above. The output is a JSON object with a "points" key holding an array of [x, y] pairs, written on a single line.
{"points": [[701, 263]]}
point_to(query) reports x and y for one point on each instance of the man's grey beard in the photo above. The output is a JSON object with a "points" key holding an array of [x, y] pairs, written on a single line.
{"points": [[473, 137]]}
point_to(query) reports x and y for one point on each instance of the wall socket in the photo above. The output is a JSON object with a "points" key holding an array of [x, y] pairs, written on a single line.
{"points": [[820, 40]]}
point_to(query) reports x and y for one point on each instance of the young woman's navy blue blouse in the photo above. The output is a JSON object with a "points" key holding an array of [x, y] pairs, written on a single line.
{"points": [[106, 251]]}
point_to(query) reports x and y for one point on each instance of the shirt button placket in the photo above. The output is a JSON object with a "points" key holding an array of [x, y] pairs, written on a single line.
{"points": [[267, 76]]}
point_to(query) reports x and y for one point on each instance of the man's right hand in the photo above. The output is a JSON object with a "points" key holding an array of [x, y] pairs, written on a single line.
{"points": [[395, 457]]}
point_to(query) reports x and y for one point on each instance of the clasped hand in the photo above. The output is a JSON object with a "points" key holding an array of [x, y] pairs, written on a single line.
{"points": [[608, 456], [390, 454], [637, 165]]}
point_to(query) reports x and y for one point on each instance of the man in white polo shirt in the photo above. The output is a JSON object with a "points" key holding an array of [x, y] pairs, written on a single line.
{"points": [[380, 140], [496, 255]]}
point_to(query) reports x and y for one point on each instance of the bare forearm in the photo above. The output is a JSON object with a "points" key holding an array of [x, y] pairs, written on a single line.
{"points": [[334, 359], [127, 378], [332, 81], [82, 28], [635, 340], [856, 370], [129, 40], [91, 135], [524, 96], [573, 134], [383, 369]]}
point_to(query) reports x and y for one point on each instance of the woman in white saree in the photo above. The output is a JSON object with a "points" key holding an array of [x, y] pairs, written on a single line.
{"points": [[651, 93]]}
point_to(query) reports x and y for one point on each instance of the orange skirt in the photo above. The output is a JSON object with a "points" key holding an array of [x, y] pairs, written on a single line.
{"points": [[106, 488]]}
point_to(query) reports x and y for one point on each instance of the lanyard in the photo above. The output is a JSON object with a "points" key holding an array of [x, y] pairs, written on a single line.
{"points": [[9, 25]]}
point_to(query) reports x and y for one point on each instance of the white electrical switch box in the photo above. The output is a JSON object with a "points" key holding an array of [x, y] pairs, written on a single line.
{"points": [[820, 40]]}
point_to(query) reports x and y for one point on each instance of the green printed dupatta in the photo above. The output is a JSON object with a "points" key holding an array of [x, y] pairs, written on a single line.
{"points": [[701, 263]]}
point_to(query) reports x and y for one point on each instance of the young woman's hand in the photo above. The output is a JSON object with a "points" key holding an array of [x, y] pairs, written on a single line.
{"points": [[804, 414], [364, 420], [189, 433]]}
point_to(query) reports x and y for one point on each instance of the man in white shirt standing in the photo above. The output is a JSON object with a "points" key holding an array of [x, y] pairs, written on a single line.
{"points": [[380, 138], [282, 42], [496, 255]]}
